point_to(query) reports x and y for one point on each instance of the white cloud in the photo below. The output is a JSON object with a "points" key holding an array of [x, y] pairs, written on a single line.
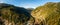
{"points": [[27, 5], [1, 1]]}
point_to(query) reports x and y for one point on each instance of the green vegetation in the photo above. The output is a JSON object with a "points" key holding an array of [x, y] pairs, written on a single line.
{"points": [[17, 15], [48, 14]]}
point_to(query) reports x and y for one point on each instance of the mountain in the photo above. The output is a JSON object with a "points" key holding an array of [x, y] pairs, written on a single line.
{"points": [[13, 15], [48, 14], [30, 9]]}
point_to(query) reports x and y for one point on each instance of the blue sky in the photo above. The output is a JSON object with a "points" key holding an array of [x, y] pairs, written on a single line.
{"points": [[28, 3]]}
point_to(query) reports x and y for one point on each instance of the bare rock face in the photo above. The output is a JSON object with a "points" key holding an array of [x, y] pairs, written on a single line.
{"points": [[48, 14], [13, 15]]}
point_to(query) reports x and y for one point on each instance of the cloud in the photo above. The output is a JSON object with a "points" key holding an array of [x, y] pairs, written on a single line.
{"points": [[1, 1]]}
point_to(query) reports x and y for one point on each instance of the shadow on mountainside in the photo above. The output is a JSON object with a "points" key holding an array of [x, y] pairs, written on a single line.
{"points": [[17, 15]]}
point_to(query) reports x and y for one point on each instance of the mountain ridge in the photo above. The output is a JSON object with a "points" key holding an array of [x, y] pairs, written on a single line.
{"points": [[47, 13]]}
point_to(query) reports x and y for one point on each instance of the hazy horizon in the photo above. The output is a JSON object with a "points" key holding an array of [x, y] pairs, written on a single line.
{"points": [[27, 3]]}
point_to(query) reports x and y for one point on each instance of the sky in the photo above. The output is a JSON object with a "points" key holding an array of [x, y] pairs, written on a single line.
{"points": [[27, 3]]}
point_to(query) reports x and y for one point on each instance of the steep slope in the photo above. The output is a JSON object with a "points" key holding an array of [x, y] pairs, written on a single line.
{"points": [[12, 15], [48, 14]]}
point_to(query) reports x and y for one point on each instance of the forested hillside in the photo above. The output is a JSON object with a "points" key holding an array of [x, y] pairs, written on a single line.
{"points": [[48, 14], [13, 15]]}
